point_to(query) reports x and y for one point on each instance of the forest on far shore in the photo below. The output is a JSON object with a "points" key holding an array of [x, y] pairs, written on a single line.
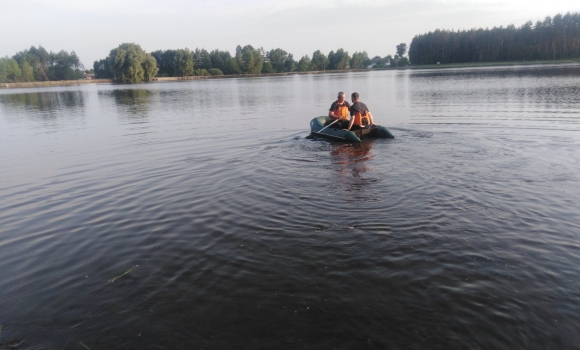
{"points": [[37, 64], [130, 63], [556, 38], [246, 60]]}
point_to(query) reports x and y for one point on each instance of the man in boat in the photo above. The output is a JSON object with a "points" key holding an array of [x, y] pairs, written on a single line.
{"points": [[339, 111], [360, 116]]}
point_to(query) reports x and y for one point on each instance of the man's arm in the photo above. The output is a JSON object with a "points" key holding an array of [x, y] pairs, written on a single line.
{"points": [[351, 120], [331, 112], [350, 123], [370, 117]]}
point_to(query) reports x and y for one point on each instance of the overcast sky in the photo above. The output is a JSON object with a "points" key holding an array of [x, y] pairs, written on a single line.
{"points": [[93, 28]]}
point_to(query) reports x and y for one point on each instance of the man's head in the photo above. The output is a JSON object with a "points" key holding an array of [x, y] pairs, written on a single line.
{"points": [[354, 96], [341, 96]]}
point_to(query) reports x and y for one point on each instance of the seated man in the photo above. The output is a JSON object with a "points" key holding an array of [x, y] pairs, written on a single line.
{"points": [[339, 110], [360, 116]]}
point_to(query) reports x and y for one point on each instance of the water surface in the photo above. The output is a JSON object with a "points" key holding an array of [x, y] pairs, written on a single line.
{"points": [[240, 232]]}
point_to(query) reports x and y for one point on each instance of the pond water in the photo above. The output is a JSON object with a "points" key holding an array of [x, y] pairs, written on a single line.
{"points": [[199, 215]]}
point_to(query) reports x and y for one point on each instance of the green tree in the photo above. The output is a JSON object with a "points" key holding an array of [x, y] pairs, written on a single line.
{"points": [[149, 67], [359, 60], [277, 58], [183, 63], [401, 49], [339, 59], [64, 66], [218, 59], [249, 59], [36, 64], [9, 70], [202, 59], [290, 65], [41, 59], [267, 68], [232, 67], [165, 62], [366, 60], [102, 69], [201, 72], [304, 64], [319, 60], [548, 39], [223, 61], [27, 72], [239, 56], [402, 62], [215, 71], [38, 59], [131, 64]]}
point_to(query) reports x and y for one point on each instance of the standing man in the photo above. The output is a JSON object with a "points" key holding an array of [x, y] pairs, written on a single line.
{"points": [[360, 116], [339, 110]]}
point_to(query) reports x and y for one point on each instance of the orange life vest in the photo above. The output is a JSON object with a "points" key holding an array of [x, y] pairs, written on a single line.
{"points": [[360, 119], [341, 112]]}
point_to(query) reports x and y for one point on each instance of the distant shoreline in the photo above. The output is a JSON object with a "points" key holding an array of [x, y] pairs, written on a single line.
{"points": [[492, 64], [33, 84], [164, 79], [189, 78]]}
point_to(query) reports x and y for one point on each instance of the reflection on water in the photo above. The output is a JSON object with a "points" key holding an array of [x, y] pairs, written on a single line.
{"points": [[501, 101], [45, 101], [482, 73], [134, 102], [46, 105], [354, 171], [460, 233], [352, 160]]}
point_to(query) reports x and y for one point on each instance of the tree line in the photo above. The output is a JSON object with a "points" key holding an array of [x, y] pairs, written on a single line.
{"points": [[37, 64], [129, 57], [130, 63], [551, 39]]}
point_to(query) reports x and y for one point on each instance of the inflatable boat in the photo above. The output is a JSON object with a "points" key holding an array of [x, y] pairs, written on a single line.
{"points": [[319, 126]]}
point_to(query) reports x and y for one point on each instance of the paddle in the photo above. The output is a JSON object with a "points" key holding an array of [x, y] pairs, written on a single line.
{"points": [[318, 132]]}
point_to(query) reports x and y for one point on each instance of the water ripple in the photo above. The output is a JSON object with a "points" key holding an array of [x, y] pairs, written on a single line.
{"points": [[460, 233]]}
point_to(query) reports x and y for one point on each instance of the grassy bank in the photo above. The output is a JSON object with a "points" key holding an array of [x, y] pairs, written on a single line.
{"points": [[162, 79], [52, 83]]}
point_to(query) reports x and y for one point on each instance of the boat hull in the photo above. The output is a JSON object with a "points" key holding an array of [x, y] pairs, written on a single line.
{"points": [[317, 127]]}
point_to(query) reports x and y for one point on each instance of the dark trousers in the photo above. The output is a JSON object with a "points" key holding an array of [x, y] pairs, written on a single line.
{"points": [[341, 124]]}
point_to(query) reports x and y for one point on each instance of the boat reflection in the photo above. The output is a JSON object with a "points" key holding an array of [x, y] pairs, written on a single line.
{"points": [[352, 164], [352, 159]]}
